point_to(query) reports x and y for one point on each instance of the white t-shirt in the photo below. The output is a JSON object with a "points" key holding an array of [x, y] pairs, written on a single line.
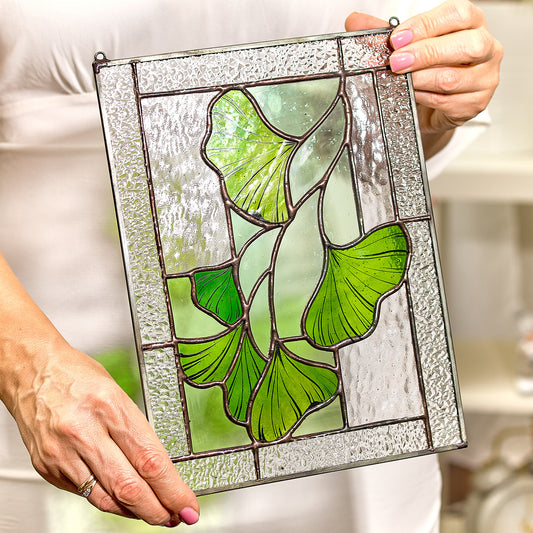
{"points": [[57, 231]]}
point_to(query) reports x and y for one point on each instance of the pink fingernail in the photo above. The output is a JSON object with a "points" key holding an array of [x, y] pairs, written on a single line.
{"points": [[189, 516], [402, 38], [401, 61], [172, 523]]}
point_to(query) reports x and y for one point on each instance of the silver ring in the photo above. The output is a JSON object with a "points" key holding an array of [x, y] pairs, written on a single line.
{"points": [[87, 486]]}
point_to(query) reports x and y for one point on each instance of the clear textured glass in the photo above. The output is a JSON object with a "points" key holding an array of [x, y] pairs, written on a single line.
{"points": [[194, 230], [279, 244]]}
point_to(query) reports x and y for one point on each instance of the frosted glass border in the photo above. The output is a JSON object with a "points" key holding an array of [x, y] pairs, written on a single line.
{"points": [[366, 51], [403, 148], [239, 66], [209, 474], [130, 185], [347, 449], [166, 413], [435, 351]]}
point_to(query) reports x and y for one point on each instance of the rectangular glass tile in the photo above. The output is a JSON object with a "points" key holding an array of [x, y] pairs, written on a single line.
{"points": [[430, 323], [274, 214], [352, 448], [404, 150], [211, 474], [166, 413], [366, 51]]}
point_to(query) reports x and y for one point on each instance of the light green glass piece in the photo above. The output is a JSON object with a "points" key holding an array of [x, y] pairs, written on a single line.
{"points": [[329, 418], [307, 351], [209, 361], [259, 318], [243, 230], [341, 221], [210, 428], [313, 158], [243, 379], [256, 260], [216, 292], [298, 267], [356, 278], [307, 100], [251, 158], [291, 389]]}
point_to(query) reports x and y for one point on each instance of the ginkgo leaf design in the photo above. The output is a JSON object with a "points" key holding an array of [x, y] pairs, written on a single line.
{"points": [[216, 292], [243, 379], [209, 361], [345, 306], [291, 388], [251, 158]]}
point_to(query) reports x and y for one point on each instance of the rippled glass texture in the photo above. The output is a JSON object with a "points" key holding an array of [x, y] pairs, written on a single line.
{"points": [[281, 259]]}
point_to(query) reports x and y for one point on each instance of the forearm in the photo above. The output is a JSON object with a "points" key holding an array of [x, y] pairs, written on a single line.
{"points": [[27, 338]]}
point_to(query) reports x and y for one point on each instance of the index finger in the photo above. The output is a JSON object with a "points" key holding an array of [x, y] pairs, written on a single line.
{"points": [[450, 17]]}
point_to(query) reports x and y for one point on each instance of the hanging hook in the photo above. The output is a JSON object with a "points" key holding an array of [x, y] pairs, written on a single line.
{"points": [[100, 56], [394, 21]]}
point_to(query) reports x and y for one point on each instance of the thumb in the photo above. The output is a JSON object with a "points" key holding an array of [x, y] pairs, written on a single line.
{"points": [[361, 21]]}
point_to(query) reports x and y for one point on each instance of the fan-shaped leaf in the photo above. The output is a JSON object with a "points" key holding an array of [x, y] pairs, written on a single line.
{"points": [[209, 361], [216, 292], [290, 389], [251, 158], [243, 379], [355, 279]]}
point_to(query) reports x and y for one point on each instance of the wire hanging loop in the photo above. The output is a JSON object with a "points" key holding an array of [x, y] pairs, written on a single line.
{"points": [[100, 56], [394, 21]]}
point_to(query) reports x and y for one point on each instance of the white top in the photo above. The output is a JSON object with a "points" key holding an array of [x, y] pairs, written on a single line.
{"points": [[57, 222]]}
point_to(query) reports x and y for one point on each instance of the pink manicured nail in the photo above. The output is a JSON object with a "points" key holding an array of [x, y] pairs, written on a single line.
{"points": [[401, 61], [402, 38], [189, 516], [172, 523]]}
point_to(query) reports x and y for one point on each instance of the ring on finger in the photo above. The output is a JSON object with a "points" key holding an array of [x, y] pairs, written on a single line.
{"points": [[87, 486]]}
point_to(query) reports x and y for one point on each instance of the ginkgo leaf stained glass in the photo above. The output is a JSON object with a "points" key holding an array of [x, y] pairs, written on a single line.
{"points": [[281, 260]]}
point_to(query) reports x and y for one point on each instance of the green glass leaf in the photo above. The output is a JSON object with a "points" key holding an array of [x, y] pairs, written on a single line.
{"points": [[216, 292], [251, 158], [243, 379], [291, 388], [209, 361], [345, 305]]}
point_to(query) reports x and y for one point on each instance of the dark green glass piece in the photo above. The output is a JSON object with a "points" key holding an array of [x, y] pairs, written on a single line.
{"points": [[243, 379], [216, 292]]}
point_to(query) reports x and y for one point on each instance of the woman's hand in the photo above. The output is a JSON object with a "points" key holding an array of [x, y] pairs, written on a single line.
{"points": [[454, 61], [76, 421]]}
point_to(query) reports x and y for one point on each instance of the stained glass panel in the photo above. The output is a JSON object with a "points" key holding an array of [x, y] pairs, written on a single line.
{"points": [[281, 258]]}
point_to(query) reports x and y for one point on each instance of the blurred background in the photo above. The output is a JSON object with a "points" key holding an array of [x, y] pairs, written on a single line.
{"points": [[484, 210]]}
